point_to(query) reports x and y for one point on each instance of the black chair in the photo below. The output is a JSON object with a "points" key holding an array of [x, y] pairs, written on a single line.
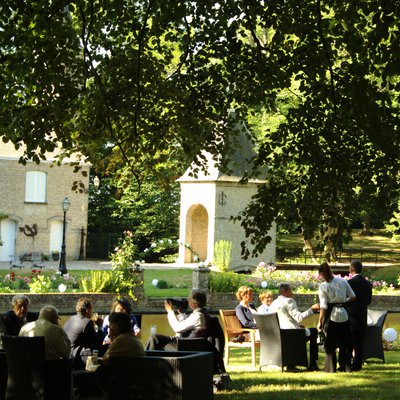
{"points": [[214, 343], [30, 376], [160, 375], [3, 374], [281, 347], [373, 346]]}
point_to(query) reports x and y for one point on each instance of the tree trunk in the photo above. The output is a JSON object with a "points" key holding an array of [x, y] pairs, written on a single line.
{"points": [[366, 231], [308, 247]]}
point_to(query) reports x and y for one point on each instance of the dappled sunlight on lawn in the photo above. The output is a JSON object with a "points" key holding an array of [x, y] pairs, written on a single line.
{"points": [[376, 380]]}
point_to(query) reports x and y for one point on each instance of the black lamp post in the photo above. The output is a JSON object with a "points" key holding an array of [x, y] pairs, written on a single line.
{"points": [[62, 267]]}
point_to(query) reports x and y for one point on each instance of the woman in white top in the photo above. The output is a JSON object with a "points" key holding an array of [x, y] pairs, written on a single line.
{"points": [[333, 319]]}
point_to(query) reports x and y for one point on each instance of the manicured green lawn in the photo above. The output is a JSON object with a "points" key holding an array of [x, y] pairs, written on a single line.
{"points": [[376, 248], [376, 381], [180, 281]]}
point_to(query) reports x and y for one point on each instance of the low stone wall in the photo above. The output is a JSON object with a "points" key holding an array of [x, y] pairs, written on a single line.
{"points": [[65, 302], [304, 301]]}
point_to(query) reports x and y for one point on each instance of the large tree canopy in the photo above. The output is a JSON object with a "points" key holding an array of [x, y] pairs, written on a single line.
{"points": [[149, 80], [337, 146]]}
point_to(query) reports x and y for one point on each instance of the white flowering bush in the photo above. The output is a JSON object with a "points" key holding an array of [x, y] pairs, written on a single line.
{"points": [[163, 250], [195, 255], [124, 255], [124, 262]]}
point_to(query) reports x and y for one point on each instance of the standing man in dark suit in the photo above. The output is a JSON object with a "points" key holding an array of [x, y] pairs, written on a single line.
{"points": [[358, 311]]}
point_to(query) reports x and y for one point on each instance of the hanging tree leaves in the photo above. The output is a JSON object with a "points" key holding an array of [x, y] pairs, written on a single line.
{"points": [[145, 81]]}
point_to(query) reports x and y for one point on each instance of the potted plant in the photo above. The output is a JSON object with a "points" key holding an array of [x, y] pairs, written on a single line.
{"points": [[55, 255]]}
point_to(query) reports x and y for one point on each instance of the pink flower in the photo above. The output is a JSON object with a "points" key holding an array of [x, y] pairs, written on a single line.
{"points": [[261, 264]]}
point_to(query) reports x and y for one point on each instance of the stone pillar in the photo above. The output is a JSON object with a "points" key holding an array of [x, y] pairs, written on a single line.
{"points": [[200, 278], [139, 278]]}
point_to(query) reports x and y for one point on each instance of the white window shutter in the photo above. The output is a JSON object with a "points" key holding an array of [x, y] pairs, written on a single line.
{"points": [[35, 187]]}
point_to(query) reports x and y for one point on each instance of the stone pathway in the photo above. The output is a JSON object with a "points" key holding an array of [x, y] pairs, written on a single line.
{"points": [[91, 264]]}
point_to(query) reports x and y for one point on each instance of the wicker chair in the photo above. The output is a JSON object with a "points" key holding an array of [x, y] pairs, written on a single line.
{"points": [[281, 347], [214, 343], [30, 376], [373, 346], [234, 330], [161, 375], [3, 374]]}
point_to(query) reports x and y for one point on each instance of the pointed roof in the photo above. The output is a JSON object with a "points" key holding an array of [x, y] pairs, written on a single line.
{"points": [[236, 162]]}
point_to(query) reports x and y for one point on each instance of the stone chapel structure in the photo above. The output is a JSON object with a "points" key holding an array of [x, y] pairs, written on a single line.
{"points": [[211, 198]]}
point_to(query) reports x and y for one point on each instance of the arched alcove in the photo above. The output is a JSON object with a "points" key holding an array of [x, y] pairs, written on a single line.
{"points": [[196, 233]]}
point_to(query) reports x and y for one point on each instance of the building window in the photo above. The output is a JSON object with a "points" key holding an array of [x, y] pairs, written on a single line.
{"points": [[35, 188]]}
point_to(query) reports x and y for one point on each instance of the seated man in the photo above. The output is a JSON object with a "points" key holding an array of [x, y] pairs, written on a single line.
{"points": [[12, 321], [57, 344], [124, 343], [290, 318], [82, 333], [194, 325]]}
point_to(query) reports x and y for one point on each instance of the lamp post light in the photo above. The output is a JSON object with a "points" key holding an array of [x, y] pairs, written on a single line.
{"points": [[62, 267]]}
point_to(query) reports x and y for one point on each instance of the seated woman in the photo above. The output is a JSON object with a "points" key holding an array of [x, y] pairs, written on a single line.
{"points": [[118, 306], [245, 308], [266, 299]]}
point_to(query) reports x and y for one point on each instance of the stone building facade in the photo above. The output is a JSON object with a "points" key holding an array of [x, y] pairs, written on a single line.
{"points": [[209, 200], [31, 199]]}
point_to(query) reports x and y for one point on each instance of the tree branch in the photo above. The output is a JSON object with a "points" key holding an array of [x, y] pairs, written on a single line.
{"points": [[251, 26], [139, 68], [90, 66], [185, 55], [326, 51]]}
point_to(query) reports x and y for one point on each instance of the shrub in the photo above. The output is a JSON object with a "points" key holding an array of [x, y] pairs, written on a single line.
{"points": [[70, 281], [222, 255], [388, 274], [124, 279], [40, 284], [162, 250], [122, 282], [96, 281], [124, 256], [227, 282], [161, 284]]}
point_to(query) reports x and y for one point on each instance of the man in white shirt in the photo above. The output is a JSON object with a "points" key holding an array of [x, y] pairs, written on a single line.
{"points": [[57, 344], [194, 325], [290, 317]]}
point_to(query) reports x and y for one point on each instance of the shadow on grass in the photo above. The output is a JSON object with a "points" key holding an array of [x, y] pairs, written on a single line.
{"points": [[375, 381]]}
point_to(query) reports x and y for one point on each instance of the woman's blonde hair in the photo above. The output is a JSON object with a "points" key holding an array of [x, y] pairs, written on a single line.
{"points": [[264, 295], [242, 291]]}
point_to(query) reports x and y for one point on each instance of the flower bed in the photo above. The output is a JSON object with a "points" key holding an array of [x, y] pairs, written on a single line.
{"points": [[38, 281]]}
